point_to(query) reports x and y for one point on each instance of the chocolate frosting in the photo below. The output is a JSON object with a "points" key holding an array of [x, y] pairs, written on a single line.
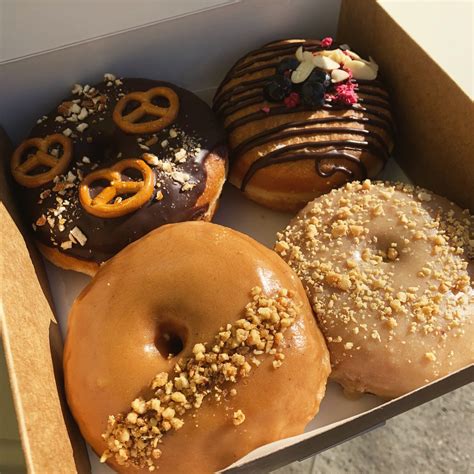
{"points": [[104, 144], [373, 104]]}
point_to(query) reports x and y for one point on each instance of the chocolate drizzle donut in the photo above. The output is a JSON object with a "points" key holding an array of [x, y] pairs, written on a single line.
{"points": [[343, 141], [187, 159]]}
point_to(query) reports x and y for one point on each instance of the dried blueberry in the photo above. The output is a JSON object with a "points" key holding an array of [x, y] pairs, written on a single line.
{"points": [[287, 64], [312, 93], [318, 75], [277, 88]]}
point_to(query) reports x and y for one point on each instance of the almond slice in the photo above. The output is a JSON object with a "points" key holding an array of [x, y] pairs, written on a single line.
{"points": [[360, 70], [325, 63], [352, 54], [302, 72], [336, 55], [299, 54], [307, 56], [338, 75]]}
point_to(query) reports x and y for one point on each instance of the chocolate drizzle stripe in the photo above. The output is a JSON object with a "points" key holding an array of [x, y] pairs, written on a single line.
{"points": [[275, 158], [234, 106], [376, 103], [242, 87], [373, 91], [246, 86], [223, 108], [283, 110], [252, 70], [302, 127], [251, 85], [285, 50], [245, 69]]}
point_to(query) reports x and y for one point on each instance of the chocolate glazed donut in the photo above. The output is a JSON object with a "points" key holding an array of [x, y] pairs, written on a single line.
{"points": [[168, 172], [282, 154]]}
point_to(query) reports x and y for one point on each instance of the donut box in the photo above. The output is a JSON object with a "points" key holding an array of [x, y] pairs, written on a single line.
{"points": [[199, 48]]}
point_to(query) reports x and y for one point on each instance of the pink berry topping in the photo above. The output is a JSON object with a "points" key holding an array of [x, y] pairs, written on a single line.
{"points": [[326, 42], [292, 100], [346, 93]]}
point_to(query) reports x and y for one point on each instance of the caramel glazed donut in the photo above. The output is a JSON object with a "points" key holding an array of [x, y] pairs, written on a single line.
{"points": [[112, 163], [388, 269], [218, 341], [303, 119]]}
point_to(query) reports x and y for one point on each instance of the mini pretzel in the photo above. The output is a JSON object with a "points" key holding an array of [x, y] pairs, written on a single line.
{"points": [[167, 114], [100, 205], [41, 157]]}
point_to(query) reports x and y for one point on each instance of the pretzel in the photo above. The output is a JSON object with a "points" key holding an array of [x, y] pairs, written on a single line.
{"points": [[41, 157], [167, 114], [100, 205]]}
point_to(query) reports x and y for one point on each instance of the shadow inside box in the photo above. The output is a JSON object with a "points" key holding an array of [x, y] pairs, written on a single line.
{"points": [[336, 406], [77, 443]]}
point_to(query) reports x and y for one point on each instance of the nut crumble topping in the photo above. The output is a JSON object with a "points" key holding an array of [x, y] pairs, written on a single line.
{"points": [[133, 438], [348, 247]]}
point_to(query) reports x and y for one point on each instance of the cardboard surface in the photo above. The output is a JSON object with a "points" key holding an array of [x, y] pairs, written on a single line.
{"points": [[29, 328], [88, 21], [33, 348], [434, 115]]}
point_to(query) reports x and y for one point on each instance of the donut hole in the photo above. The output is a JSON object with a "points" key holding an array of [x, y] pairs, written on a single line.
{"points": [[170, 339], [388, 247]]}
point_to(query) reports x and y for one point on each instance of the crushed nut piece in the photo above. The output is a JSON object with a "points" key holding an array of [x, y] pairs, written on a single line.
{"points": [[238, 417]]}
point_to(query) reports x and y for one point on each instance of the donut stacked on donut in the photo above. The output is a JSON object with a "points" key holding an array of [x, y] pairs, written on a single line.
{"points": [[188, 365], [113, 162], [303, 119], [388, 271]]}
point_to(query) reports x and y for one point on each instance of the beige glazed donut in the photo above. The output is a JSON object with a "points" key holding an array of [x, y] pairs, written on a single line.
{"points": [[190, 348], [387, 269]]}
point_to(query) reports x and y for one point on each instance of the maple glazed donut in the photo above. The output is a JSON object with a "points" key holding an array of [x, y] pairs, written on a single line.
{"points": [[210, 354], [303, 117], [113, 162], [387, 268]]}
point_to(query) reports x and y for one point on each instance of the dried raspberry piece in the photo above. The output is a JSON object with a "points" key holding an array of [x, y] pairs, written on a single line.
{"points": [[292, 100], [326, 42], [346, 93]]}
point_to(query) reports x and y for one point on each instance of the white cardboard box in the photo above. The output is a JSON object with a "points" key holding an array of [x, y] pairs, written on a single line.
{"points": [[195, 51]]}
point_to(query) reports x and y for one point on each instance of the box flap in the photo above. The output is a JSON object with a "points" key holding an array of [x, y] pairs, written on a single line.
{"points": [[33, 348], [434, 115]]}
